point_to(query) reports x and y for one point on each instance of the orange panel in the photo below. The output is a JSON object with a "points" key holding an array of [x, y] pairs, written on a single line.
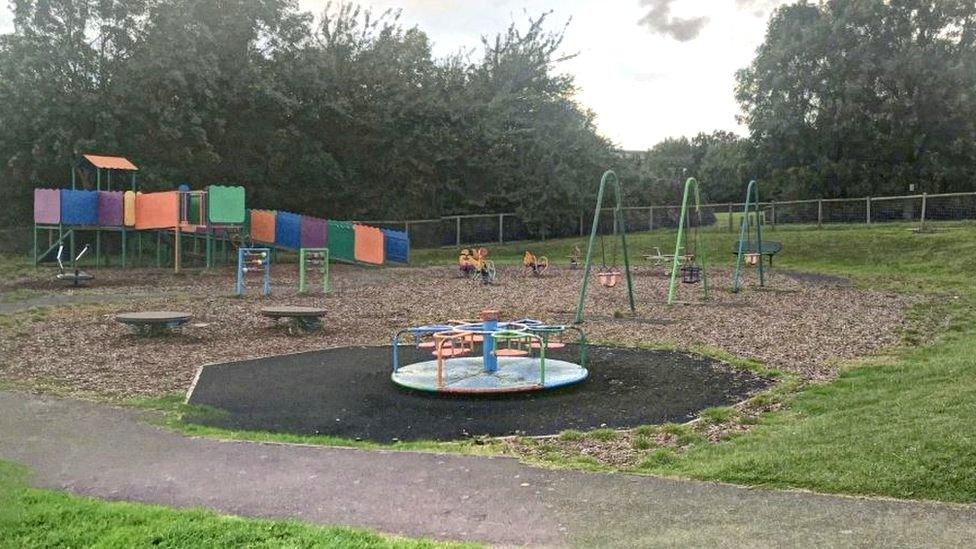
{"points": [[129, 208], [157, 210], [263, 226], [368, 244]]}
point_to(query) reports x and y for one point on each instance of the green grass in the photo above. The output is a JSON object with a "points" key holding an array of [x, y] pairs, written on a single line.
{"points": [[42, 518]]}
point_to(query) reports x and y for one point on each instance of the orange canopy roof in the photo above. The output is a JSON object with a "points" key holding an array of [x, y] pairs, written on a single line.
{"points": [[110, 162]]}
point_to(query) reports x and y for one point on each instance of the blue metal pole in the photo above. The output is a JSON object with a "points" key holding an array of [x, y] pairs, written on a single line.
{"points": [[488, 346], [240, 271]]}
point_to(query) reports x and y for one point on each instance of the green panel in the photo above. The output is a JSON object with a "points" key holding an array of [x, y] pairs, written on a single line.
{"points": [[341, 241], [225, 204], [193, 209]]}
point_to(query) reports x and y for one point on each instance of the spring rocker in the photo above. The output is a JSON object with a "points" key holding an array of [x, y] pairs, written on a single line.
{"points": [[512, 357], [607, 277], [536, 264], [689, 257], [253, 260], [472, 262], [574, 258], [77, 277]]}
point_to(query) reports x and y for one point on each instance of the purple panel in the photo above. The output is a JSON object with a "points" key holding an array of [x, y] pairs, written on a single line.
{"points": [[313, 232], [110, 208], [47, 206]]}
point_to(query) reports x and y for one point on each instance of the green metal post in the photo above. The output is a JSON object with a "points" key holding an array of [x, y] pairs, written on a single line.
{"points": [[208, 247], [71, 233], [98, 248], [609, 175], [35, 244], [301, 271], [124, 247]]}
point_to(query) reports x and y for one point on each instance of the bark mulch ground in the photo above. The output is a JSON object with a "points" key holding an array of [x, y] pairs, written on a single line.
{"points": [[347, 392], [789, 325]]}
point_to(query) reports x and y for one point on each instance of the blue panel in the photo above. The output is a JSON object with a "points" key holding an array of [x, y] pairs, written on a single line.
{"points": [[79, 207], [288, 230], [396, 246]]}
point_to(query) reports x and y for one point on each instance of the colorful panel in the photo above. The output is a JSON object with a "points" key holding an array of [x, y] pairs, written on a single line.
{"points": [[313, 232], [79, 207], [288, 230], [110, 208], [193, 209], [157, 210], [340, 241], [263, 226], [368, 245], [129, 208], [47, 206], [396, 246], [225, 205]]}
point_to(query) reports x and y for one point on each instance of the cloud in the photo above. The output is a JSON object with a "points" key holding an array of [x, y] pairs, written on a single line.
{"points": [[759, 7], [660, 21]]}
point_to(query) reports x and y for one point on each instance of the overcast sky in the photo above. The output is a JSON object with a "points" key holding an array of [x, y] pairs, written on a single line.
{"points": [[649, 69]]}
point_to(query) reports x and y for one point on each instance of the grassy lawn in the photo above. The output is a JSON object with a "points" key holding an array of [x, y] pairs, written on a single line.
{"points": [[41, 518], [897, 426]]}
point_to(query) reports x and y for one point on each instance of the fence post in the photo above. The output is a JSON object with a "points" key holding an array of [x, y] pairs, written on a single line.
{"points": [[501, 228], [820, 213], [457, 231], [867, 202], [581, 223], [924, 200], [406, 229], [772, 204], [650, 218], [730, 218]]}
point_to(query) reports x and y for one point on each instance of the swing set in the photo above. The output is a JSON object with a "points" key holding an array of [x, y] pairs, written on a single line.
{"points": [[752, 198], [689, 256], [608, 277]]}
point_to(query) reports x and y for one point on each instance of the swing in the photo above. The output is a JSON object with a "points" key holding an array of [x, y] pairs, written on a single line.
{"points": [[608, 277], [690, 271]]}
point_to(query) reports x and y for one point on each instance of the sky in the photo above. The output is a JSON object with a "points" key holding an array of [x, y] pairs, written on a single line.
{"points": [[649, 69]]}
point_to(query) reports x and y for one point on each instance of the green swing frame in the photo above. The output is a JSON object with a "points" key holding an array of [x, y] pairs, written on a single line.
{"points": [[619, 227], [700, 254], [752, 198]]}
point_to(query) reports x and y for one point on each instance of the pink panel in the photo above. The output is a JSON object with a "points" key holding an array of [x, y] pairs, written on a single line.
{"points": [[47, 206]]}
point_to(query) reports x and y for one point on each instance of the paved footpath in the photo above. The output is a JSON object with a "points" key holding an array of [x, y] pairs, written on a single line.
{"points": [[109, 453]]}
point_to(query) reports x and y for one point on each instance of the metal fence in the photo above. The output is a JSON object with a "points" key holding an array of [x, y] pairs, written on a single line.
{"points": [[460, 230]]}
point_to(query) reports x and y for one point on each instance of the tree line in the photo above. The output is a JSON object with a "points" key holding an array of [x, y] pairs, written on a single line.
{"points": [[350, 115], [844, 98]]}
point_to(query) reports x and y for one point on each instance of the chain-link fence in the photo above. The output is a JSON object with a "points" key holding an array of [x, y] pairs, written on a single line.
{"points": [[509, 227]]}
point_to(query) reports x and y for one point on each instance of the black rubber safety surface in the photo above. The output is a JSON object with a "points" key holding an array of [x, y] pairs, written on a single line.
{"points": [[347, 392]]}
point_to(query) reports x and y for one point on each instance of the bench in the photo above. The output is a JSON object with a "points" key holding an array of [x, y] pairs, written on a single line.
{"points": [[153, 323], [769, 249], [305, 319]]}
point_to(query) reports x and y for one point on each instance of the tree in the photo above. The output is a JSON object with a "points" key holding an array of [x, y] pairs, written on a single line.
{"points": [[853, 97]]}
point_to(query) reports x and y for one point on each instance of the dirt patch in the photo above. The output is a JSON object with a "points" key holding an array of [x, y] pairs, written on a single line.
{"points": [[815, 279], [788, 325], [347, 392]]}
